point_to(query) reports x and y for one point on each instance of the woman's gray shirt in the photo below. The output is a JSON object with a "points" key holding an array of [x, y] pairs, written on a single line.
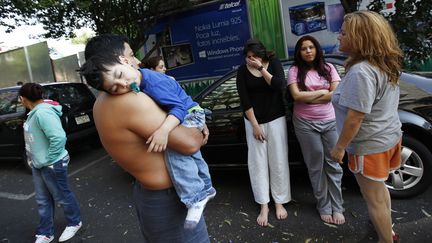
{"points": [[366, 89]]}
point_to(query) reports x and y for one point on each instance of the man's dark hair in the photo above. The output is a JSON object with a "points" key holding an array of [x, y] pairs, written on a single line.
{"points": [[31, 91], [110, 44], [93, 68]]}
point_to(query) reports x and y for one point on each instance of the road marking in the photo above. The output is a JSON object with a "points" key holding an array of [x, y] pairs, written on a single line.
{"points": [[23, 197], [85, 167]]}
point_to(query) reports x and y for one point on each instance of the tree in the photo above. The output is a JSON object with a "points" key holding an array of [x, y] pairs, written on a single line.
{"points": [[412, 21], [82, 38], [131, 18], [12, 10], [60, 18], [350, 5]]}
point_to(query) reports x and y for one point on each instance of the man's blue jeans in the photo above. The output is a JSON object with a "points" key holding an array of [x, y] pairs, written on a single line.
{"points": [[161, 216], [51, 186], [190, 176]]}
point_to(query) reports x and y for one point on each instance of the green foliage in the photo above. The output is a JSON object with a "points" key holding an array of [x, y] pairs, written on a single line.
{"points": [[412, 23], [412, 20], [82, 39], [18, 11], [61, 17], [350, 5]]}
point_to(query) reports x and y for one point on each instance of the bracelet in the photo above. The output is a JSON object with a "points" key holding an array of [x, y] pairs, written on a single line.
{"points": [[260, 68]]}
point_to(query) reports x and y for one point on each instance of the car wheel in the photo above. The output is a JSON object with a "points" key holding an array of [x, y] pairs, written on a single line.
{"points": [[415, 174]]}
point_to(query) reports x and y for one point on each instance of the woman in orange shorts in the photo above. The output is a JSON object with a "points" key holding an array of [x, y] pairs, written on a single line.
{"points": [[366, 103]]}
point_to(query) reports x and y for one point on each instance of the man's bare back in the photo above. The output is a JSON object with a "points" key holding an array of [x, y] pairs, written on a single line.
{"points": [[124, 123]]}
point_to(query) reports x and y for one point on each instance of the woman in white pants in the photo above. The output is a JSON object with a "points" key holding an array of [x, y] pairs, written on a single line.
{"points": [[260, 84]]}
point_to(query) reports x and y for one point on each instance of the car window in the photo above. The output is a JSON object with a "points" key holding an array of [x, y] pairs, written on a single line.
{"points": [[67, 94], [340, 69], [224, 97], [9, 102]]}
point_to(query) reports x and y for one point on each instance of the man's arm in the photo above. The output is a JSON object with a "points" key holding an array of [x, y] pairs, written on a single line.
{"points": [[159, 139], [185, 140], [144, 117]]}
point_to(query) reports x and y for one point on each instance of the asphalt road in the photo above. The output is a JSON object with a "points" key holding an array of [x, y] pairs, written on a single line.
{"points": [[104, 192]]}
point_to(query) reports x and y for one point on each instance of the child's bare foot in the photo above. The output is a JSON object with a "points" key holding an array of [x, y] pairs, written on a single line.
{"points": [[338, 218], [327, 218], [281, 212], [262, 219]]}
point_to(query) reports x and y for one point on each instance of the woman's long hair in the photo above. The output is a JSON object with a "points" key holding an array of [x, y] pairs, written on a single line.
{"points": [[371, 38], [303, 67]]}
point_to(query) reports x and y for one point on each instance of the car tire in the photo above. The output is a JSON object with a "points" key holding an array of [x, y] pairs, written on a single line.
{"points": [[415, 174]]}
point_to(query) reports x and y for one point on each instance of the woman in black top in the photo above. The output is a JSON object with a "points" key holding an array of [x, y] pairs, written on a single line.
{"points": [[260, 83]]}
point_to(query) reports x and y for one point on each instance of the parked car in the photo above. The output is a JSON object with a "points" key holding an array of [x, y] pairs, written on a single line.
{"points": [[77, 119], [227, 143]]}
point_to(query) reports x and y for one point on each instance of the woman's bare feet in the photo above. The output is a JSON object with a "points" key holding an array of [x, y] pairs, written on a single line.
{"points": [[281, 212], [262, 219], [327, 218], [338, 218]]}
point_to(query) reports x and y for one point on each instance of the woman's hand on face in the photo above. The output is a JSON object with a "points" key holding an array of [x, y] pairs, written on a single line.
{"points": [[253, 62]]}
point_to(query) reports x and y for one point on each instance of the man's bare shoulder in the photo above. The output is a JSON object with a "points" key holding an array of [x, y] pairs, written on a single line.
{"points": [[136, 112], [120, 100], [126, 102]]}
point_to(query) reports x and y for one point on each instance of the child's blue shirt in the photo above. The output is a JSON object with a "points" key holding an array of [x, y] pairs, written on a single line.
{"points": [[167, 92]]}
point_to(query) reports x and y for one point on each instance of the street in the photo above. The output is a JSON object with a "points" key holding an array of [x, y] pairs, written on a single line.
{"points": [[104, 192]]}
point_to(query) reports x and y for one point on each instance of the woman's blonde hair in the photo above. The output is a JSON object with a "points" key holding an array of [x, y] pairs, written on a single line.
{"points": [[371, 38]]}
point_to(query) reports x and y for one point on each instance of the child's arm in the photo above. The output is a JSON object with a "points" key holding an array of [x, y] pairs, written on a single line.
{"points": [[159, 139]]}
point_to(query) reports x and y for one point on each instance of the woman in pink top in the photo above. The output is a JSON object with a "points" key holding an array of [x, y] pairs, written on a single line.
{"points": [[311, 82]]}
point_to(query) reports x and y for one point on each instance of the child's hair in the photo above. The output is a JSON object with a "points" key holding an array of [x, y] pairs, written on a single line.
{"points": [[94, 67]]}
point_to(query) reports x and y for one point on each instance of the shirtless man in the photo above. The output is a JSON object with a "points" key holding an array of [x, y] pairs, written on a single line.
{"points": [[160, 212]]}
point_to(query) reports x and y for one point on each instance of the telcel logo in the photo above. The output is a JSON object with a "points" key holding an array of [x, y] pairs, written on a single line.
{"points": [[224, 6]]}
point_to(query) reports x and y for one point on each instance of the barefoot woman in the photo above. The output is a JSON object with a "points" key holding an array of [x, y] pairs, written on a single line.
{"points": [[260, 83]]}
